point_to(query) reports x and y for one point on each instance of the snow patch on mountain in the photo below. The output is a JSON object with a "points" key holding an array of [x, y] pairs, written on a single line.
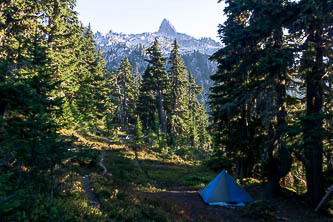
{"points": [[165, 35], [195, 52]]}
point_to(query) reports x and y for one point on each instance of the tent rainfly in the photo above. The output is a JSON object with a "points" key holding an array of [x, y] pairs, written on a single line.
{"points": [[224, 191]]}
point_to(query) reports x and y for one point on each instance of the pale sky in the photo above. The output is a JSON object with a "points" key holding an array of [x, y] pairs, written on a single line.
{"points": [[198, 18]]}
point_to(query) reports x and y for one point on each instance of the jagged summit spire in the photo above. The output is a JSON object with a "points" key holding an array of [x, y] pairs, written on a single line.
{"points": [[166, 28]]}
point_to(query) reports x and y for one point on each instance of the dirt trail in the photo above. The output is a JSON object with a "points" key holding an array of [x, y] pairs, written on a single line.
{"points": [[201, 211], [286, 210], [94, 202]]}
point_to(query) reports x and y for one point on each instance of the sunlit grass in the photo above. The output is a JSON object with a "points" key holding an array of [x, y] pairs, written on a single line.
{"points": [[74, 201], [125, 193]]}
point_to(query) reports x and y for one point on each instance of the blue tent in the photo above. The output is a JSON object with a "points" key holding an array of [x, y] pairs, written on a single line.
{"points": [[224, 191]]}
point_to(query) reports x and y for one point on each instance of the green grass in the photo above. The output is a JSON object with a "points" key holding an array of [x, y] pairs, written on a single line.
{"points": [[125, 193]]}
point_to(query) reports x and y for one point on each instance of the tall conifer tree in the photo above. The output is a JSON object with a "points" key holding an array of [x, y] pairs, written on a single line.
{"points": [[128, 92], [41, 63], [154, 89], [252, 68], [28, 132], [178, 94], [314, 25]]}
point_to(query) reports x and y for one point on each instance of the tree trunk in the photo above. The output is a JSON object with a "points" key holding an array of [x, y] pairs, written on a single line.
{"points": [[279, 156], [244, 164], [273, 186], [125, 113], [244, 167], [313, 141], [52, 184], [161, 113], [278, 167], [313, 123]]}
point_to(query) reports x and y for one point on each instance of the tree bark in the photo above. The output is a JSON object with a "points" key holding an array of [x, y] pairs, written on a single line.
{"points": [[244, 167], [52, 184], [279, 156], [313, 123], [245, 164]]}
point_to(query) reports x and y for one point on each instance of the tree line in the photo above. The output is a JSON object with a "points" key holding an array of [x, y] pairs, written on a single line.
{"points": [[53, 78], [165, 100], [271, 102]]}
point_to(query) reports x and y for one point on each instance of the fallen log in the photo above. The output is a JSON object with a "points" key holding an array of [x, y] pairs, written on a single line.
{"points": [[329, 190], [7, 164]]}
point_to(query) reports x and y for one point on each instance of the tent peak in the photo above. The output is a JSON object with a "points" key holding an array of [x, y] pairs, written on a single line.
{"points": [[223, 190]]}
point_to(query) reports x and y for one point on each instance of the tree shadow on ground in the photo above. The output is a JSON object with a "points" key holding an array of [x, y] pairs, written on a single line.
{"points": [[161, 174], [178, 183]]}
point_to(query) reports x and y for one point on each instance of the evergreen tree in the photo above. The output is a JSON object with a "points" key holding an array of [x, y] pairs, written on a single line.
{"points": [[179, 96], [29, 138], [146, 103], [139, 137], [229, 103], [261, 70], [92, 96], [314, 19], [49, 71], [128, 92], [193, 91], [252, 68], [154, 89], [64, 40], [197, 118]]}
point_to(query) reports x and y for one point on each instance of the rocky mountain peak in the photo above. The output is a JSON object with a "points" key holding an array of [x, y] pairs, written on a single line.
{"points": [[166, 28]]}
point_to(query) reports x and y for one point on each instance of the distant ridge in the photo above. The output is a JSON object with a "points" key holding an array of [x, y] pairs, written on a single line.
{"points": [[195, 52], [166, 34]]}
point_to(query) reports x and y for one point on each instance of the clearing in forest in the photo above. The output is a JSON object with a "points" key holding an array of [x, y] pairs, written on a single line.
{"points": [[153, 186]]}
